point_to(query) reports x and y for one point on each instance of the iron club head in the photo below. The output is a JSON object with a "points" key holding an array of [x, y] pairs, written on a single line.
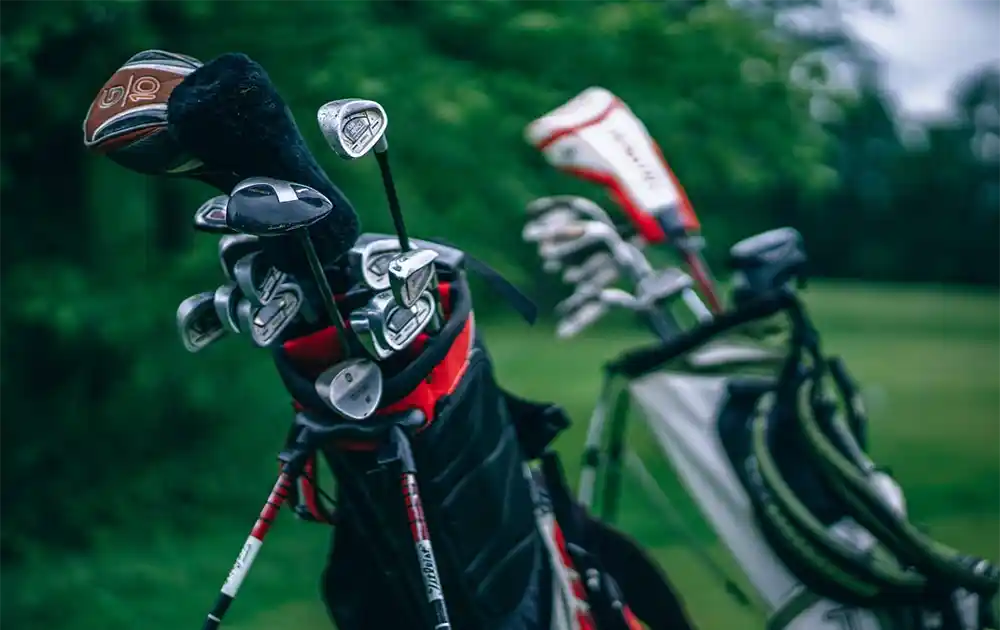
{"points": [[371, 262], [233, 247], [265, 324], [197, 323], [410, 274], [352, 388], [256, 279], [226, 299], [353, 127]]}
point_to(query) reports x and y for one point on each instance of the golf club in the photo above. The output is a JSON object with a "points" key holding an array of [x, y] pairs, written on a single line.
{"points": [[371, 262], [211, 216], [580, 206], [352, 388], [385, 327], [265, 323], [587, 291], [226, 300], [575, 322], [410, 274], [270, 208], [233, 247], [588, 268], [256, 279], [353, 127], [197, 322]]}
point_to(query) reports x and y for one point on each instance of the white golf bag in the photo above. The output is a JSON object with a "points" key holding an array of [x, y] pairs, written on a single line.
{"points": [[702, 396]]}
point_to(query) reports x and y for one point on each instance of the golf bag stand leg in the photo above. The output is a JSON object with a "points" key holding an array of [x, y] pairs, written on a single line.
{"points": [[399, 449]]}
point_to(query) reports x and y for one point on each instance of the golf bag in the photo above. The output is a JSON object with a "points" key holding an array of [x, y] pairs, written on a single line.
{"points": [[510, 546], [770, 442]]}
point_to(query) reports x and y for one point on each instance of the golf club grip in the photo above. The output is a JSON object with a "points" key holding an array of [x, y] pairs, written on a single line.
{"points": [[636, 363]]}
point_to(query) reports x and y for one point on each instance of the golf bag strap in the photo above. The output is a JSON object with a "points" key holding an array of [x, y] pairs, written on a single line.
{"points": [[607, 604]]}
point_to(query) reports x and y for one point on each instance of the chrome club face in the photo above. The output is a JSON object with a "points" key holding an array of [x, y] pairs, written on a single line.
{"points": [[233, 247], [410, 274], [352, 388], [257, 280], [226, 299], [373, 261], [197, 322], [266, 323], [386, 327], [353, 126]]}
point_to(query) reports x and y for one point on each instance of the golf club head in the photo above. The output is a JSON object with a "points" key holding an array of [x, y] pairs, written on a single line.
{"points": [[579, 206], [404, 324], [589, 267], [662, 286], [127, 121], [264, 206], [197, 322], [575, 322], [225, 301], [410, 274], [211, 216], [352, 388], [368, 324], [265, 324], [588, 291], [539, 228], [353, 126], [257, 280], [233, 247], [620, 298], [370, 261]]}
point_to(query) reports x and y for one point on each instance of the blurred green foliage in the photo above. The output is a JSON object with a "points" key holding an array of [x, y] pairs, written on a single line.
{"points": [[107, 421]]}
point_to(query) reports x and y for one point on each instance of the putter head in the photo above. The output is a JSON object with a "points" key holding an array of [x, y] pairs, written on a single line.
{"points": [[265, 324], [410, 274], [257, 280], [370, 261], [620, 298], [353, 126], [225, 300], [211, 216], [197, 322], [233, 248], [263, 206], [352, 388]]}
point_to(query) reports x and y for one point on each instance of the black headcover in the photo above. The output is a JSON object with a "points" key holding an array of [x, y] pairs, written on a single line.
{"points": [[229, 114]]}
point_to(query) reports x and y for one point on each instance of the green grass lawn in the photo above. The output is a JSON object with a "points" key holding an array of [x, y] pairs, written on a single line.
{"points": [[929, 362]]}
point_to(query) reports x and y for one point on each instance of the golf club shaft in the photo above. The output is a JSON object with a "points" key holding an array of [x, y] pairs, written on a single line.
{"points": [[703, 278], [244, 561], [390, 192], [325, 292]]}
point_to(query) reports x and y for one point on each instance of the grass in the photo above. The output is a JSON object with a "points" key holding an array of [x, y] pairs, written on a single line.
{"points": [[929, 361]]}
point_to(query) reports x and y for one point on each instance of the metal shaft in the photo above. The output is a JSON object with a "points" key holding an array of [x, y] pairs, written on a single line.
{"points": [[326, 293], [390, 193]]}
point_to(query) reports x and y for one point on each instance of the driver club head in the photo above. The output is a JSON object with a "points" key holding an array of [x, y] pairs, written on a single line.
{"points": [[353, 126], [211, 216], [410, 274], [352, 388], [197, 322], [233, 247], [265, 324], [225, 301], [256, 279]]}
